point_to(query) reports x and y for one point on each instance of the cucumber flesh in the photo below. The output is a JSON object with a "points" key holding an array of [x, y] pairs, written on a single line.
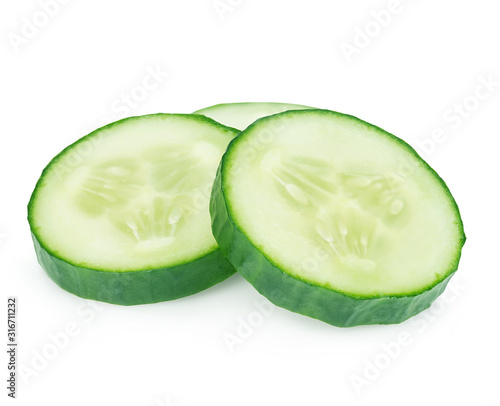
{"points": [[341, 217], [241, 115], [129, 198]]}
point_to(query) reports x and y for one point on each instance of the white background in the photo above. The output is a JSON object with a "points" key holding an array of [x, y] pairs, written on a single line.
{"points": [[409, 77]]}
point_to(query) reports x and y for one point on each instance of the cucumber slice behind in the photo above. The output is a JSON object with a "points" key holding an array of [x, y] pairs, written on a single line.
{"points": [[241, 115], [121, 216], [334, 218]]}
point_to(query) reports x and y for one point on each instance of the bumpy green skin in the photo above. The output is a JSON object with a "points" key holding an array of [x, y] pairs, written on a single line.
{"points": [[301, 296], [137, 287], [133, 287]]}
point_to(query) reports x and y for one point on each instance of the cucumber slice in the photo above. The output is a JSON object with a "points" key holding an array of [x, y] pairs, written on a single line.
{"points": [[121, 216], [334, 218], [241, 115]]}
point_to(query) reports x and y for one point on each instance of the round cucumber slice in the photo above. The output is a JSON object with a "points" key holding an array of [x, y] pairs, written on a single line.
{"points": [[334, 218], [121, 216], [241, 115]]}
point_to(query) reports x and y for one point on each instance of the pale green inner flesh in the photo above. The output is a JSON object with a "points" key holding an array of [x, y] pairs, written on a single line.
{"points": [[136, 197], [338, 204], [241, 115]]}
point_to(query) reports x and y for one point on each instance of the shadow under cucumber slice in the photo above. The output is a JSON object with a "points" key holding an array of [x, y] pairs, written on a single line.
{"points": [[121, 215], [334, 218]]}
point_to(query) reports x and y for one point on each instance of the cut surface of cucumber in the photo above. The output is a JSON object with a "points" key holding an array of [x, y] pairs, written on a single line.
{"points": [[241, 115], [335, 218], [122, 214]]}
